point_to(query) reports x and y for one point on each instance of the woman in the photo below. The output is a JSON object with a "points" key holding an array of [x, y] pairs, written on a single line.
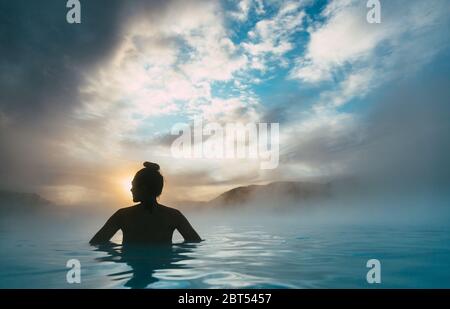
{"points": [[148, 222]]}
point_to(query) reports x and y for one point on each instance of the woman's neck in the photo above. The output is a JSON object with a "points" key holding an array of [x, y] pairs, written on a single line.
{"points": [[149, 203]]}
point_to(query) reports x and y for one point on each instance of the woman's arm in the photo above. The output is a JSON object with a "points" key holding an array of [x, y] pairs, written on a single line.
{"points": [[107, 231], [186, 230]]}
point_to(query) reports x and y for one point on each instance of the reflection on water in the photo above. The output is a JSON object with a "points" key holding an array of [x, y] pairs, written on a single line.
{"points": [[144, 261], [234, 256], [225, 259]]}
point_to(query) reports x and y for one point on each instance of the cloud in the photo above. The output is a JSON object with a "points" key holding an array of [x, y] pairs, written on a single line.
{"points": [[356, 85], [48, 57], [400, 145], [42, 65], [316, 142], [346, 39], [243, 9], [272, 37], [174, 65], [88, 104], [351, 60]]}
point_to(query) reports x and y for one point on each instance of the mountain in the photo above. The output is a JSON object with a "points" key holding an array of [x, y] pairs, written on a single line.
{"points": [[272, 194], [16, 202], [285, 193]]}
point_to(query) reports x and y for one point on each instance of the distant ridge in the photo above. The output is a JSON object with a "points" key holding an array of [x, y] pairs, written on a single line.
{"points": [[272, 193], [12, 202]]}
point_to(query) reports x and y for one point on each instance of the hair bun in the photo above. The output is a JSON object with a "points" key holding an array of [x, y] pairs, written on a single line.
{"points": [[151, 166]]}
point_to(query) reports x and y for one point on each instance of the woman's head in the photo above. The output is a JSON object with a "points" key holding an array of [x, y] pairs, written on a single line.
{"points": [[147, 183]]}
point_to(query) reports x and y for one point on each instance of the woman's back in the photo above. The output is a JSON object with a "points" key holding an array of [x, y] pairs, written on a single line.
{"points": [[143, 224]]}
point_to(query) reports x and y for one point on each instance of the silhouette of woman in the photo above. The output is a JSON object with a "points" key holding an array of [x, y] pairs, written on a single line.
{"points": [[147, 222]]}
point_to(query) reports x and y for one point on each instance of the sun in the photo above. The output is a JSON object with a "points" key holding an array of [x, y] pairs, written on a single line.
{"points": [[126, 184]]}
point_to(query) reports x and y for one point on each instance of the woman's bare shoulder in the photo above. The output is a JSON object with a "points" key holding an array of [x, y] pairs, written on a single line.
{"points": [[169, 210], [128, 209]]}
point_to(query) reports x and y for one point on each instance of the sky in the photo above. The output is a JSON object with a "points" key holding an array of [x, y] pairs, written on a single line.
{"points": [[83, 105]]}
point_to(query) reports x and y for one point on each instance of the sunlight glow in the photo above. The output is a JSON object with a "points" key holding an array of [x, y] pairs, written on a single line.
{"points": [[126, 184]]}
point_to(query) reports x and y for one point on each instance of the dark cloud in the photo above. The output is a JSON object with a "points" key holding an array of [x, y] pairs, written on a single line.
{"points": [[408, 143], [43, 62], [401, 142], [44, 57]]}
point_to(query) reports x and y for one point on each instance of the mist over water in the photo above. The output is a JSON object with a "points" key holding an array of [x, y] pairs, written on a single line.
{"points": [[318, 244]]}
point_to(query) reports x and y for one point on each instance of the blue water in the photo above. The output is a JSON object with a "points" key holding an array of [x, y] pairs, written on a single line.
{"points": [[234, 255]]}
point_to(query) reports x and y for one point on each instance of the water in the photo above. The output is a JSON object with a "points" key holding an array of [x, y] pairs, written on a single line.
{"points": [[244, 254]]}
